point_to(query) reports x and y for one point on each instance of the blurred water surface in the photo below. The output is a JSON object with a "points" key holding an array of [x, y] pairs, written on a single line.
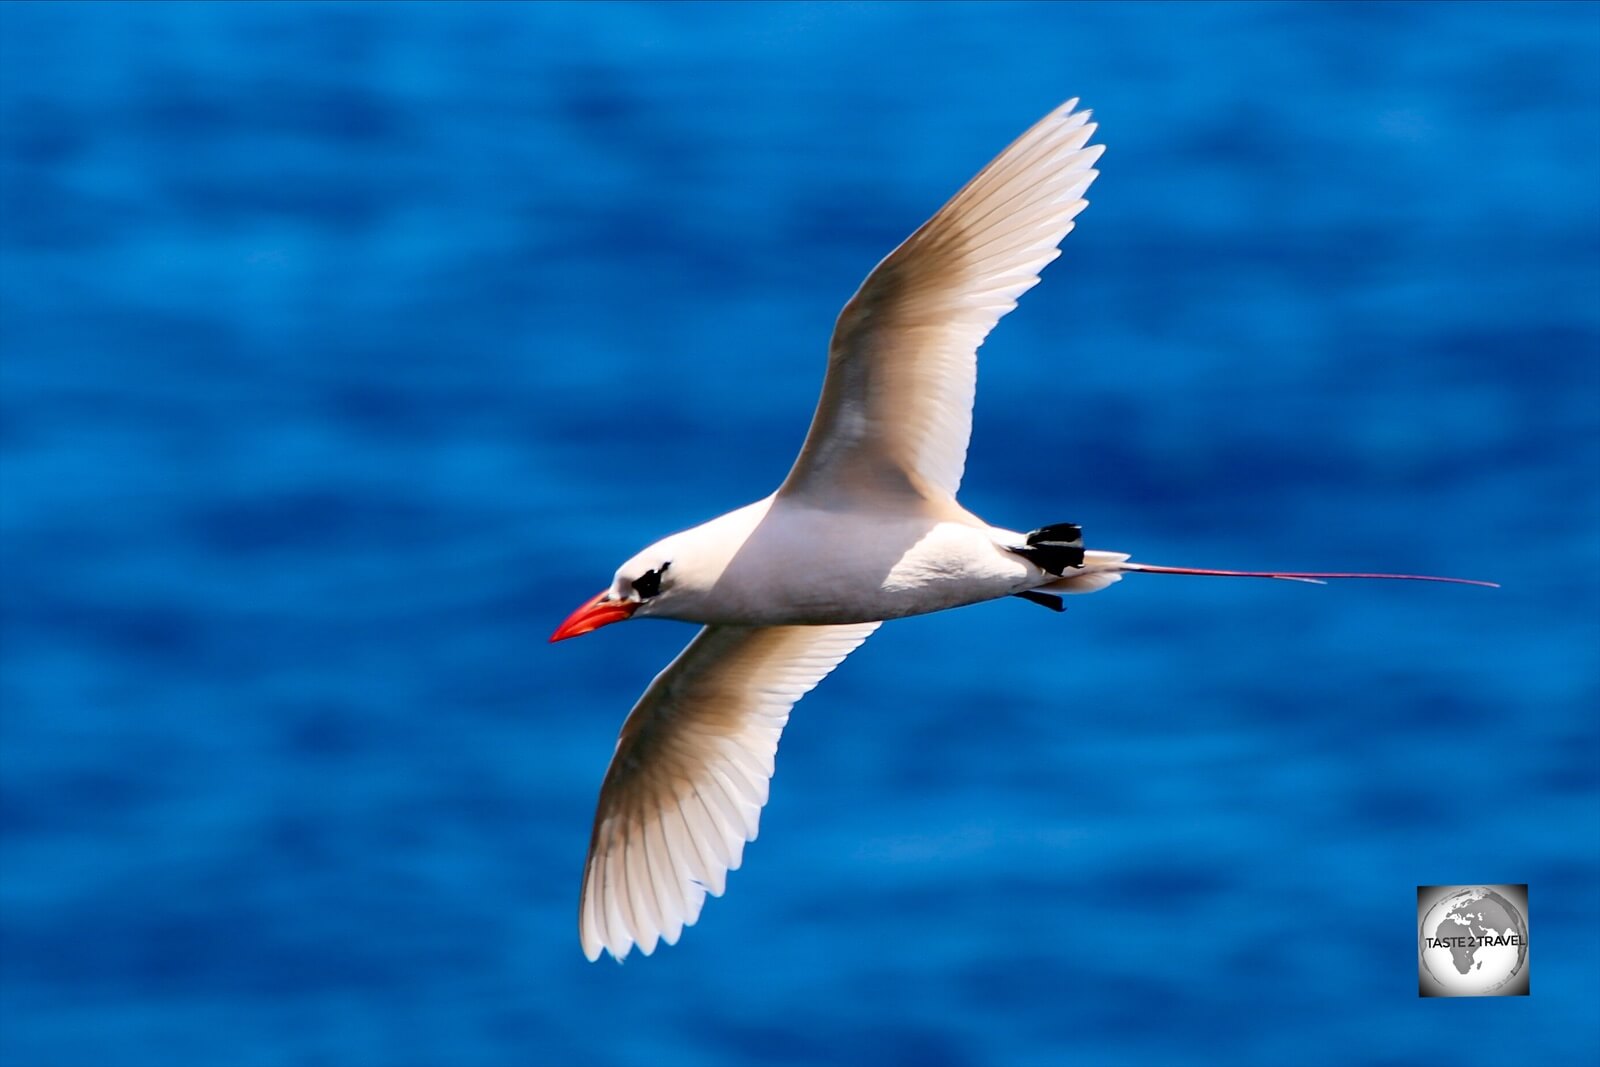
{"points": [[347, 348]]}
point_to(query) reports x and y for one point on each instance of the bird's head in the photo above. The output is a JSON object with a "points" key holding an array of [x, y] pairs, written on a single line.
{"points": [[672, 578], [640, 587]]}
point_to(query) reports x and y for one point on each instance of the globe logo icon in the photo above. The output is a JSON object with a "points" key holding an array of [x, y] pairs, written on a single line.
{"points": [[1472, 941]]}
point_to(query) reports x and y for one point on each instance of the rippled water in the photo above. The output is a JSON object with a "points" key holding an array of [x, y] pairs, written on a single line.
{"points": [[345, 349]]}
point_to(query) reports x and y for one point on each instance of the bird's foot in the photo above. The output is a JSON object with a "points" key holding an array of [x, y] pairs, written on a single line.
{"points": [[1044, 600]]}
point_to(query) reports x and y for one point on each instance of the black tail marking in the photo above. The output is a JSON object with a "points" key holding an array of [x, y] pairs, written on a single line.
{"points": [[1057, 548]]}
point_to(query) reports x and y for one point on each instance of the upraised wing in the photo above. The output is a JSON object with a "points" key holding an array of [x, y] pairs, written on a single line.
{"points": [[689, 778], [896, 407]]}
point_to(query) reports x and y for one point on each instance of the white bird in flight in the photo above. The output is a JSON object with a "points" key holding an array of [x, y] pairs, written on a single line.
{"points": [[865, 528]]}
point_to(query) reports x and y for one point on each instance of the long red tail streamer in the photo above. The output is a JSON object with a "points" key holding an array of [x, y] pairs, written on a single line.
{"points": [[1315, 578]]}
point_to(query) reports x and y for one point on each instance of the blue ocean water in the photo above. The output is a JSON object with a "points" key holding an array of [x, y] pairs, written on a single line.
{"points": [[345, 349]]}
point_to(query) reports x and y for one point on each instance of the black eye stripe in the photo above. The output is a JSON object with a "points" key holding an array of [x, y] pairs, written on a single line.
{"points": [[648, 584]]}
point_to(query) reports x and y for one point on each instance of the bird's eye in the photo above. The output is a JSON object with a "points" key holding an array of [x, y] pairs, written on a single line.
{"points": [[648, 584]]}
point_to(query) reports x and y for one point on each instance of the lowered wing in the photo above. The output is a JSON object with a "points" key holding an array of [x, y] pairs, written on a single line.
{"points": [[689, 778]]}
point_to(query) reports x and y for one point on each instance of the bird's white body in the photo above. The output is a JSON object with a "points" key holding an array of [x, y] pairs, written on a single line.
{"points": [[779, 562], [865, 528]]}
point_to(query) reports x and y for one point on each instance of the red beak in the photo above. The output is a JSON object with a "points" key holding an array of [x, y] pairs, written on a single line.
{"points": [[596, 612]]}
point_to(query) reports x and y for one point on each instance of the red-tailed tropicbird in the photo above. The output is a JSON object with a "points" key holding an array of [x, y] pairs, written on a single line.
{"points": [[866, 527]]}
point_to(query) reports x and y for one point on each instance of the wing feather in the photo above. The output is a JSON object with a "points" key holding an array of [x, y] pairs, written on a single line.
{"points": [[690, 775], [896, 407]]}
